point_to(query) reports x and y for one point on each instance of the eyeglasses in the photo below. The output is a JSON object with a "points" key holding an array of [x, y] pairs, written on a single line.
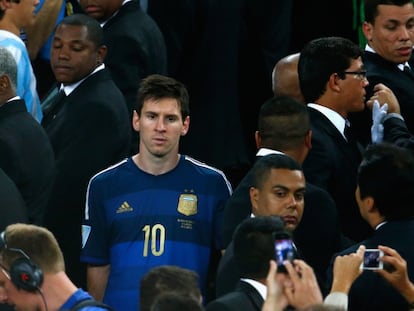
{"points": [[361, 75]]}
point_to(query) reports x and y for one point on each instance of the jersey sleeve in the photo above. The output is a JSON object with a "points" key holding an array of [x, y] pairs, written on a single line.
{"points": [[94, 227]]}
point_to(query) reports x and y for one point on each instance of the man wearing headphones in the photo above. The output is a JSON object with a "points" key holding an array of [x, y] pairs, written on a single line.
{"points": [[32, 273]]}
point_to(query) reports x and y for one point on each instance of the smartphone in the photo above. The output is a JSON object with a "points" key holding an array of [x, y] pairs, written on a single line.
{"points": [[372, 260], [284, 250]]}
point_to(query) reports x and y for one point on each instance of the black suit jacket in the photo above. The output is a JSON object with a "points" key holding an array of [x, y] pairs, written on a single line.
{"points": [[332, 164], [396, 131], [245, 297], [12, 206], [89, 132], [317, 236], [136, 49], [228, 272], [26, 156], [370, 291], [380, 70]]}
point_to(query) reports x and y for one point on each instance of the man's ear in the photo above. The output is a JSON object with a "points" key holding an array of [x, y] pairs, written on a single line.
{"points": [[367, 30], [308, 139], [135, 121], [370, 204], [258, 139], [5, 4], [254, 198], [333, 82], [101, 54], [4, 83], [186, 126]]}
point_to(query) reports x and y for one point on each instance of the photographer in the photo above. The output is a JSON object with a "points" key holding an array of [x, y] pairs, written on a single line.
{"points": [[253, 247], [385, 184]]}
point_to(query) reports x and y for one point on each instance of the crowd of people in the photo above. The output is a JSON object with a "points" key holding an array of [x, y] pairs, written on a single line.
{"points": [[153, 153]]}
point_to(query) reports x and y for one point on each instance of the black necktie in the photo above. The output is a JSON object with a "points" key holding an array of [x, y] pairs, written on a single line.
{"points": [[53, 106], [348, 133], [408, 71]]}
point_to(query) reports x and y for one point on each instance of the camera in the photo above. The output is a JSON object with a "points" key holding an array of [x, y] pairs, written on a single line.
{"points": [[284, 250], [372, 260]]}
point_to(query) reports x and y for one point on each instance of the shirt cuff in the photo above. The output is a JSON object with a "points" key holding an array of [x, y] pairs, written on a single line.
{"points": [[337, 299]]}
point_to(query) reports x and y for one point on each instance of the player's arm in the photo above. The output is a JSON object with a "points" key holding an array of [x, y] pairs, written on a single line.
{"points": [[38, 33], [97, 277]]}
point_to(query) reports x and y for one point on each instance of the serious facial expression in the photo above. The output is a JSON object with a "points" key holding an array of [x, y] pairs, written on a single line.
{"points": [[352, 89], [160, 126], [392, 34], [282, 194], [73, 55]]}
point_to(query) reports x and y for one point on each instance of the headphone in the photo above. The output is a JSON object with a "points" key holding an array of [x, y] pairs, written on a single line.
{"points": [[24, 273]]}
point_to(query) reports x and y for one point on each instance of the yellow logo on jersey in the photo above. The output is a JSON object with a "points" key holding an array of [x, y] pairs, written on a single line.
{"points": [[124, 208], [187, 204]]}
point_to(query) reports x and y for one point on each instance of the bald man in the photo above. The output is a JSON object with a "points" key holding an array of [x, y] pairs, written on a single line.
{"points": [[285, 80]]}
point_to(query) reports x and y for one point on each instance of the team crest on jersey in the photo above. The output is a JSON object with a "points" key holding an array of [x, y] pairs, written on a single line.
{"points": [[187, 204]]}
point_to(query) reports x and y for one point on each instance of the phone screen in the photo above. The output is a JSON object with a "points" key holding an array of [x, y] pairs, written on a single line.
{"points": [[372, 259], [284, 250]]}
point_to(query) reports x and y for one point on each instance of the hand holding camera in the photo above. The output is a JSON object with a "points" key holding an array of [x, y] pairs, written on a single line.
{"points": [[372, 259]]}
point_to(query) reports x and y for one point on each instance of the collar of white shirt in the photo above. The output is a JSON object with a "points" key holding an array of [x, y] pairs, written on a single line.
{"points": [[261, 288]]}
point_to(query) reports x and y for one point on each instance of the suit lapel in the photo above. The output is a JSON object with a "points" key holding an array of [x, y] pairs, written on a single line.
{"points": [[253, 295], [350, 150]]}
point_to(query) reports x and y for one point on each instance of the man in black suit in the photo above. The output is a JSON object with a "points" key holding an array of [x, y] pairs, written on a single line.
{"points": [[26, 155], [276, 188], [136, 47], [384, 195], [253, 248], [332, 80], [388, 124], [283, 126], [277, 191], [88, 127], [388, 56]]}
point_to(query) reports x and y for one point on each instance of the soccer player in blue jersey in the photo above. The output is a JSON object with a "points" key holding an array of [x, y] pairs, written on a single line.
{"points": [[155, 208]]}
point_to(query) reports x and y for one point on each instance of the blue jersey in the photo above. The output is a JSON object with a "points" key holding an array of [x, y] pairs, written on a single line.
{"points": [[135, 221], [78, 296], [26, 79]]}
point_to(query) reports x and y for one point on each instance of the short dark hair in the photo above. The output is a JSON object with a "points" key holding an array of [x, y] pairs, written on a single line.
{"points": [[371, 7], [94, 29], [253, 245], [386, 173], [262, 168], [171, 279], [159, 86], [283, 123], [319, 59], [175, 302]]}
